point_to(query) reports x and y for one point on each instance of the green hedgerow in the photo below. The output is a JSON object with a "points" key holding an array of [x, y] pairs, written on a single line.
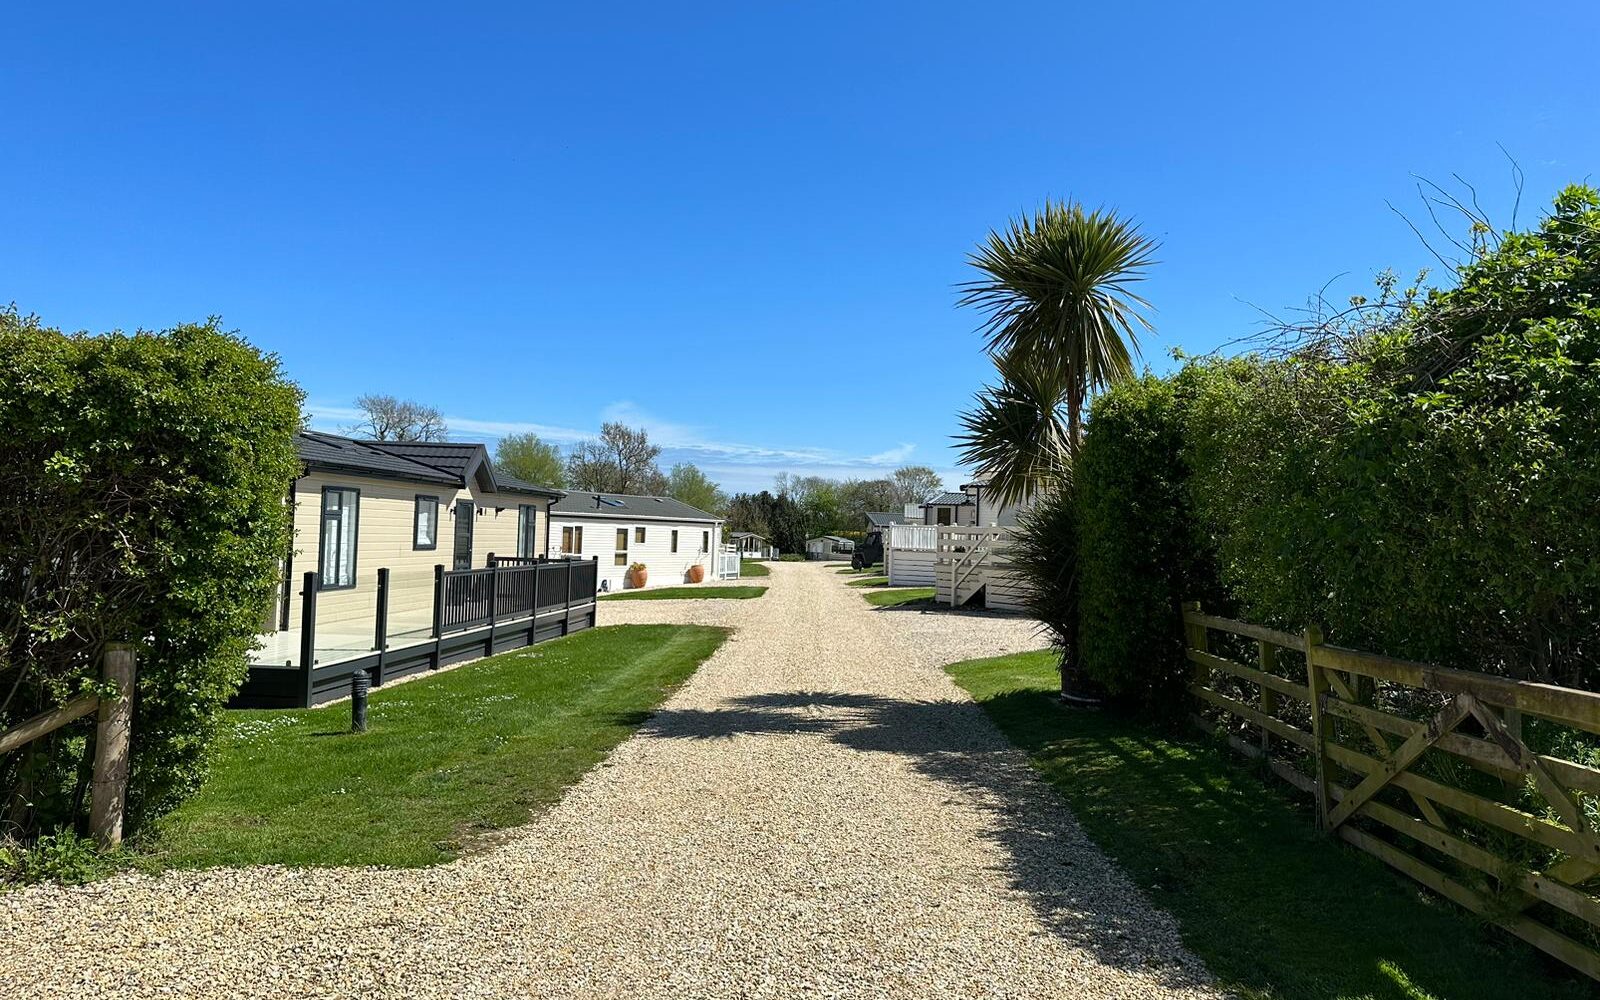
{"points": [[144, 480]]}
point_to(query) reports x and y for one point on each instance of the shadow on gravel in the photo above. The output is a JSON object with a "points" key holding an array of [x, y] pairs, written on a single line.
{"points": [[953, 742]]}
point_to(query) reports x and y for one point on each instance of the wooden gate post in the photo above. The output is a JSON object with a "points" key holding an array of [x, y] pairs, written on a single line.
{"points": [[110, 785], [1267, 655], [1317, 685], [1195, 637]]}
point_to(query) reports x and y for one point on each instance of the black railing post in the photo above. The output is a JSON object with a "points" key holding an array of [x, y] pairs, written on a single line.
{"points": [[533, 608], [438, 613], [494, 601], [308, 634], [566, 608], [380, 631]]}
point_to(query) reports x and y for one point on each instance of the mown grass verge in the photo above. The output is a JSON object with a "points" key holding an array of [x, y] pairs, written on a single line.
{"points": [[869, 581], [1274, 908], [686, 594], [899, 597], [753, 567], [445, 759]]}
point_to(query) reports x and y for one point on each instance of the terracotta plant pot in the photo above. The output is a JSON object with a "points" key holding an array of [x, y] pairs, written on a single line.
{"points": [[637, 576], [697, 573]]}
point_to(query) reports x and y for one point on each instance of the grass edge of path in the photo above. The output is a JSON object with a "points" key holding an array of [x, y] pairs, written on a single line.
{"points": [[450, 759], [695, 593], [893, 598], [1276, 910]]}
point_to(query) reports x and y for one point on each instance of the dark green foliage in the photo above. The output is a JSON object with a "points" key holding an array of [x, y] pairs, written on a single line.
{"points": [[61, 857], [776, 518], [144, 480], [1435, 497], [1428, 489], [1045, 549], [1137, 561]]}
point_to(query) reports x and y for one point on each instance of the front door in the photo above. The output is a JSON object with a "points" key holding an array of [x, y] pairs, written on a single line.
{"points": [[464, 511]]}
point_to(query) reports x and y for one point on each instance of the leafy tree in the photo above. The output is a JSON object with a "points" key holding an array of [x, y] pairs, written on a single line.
{"points": [[914, 484], [530, 459], [858, 496], [621, 460], [775, 517], [386, 418], [687, 483], [1061, 320], [144, 480]]}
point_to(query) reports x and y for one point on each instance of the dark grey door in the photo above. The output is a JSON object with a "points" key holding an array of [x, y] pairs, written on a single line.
{"points": [[463, 557]]}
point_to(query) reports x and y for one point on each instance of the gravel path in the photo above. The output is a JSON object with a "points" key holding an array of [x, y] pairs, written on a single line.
{"points": [[819, 812]]}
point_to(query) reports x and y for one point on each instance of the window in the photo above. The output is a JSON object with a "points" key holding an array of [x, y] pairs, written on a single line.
{"points": [[705, 541], [425, 525], [674, 539], [572, 540], [527, 531], [638, 535], [341, 508], [621, 558], [943, 517]]}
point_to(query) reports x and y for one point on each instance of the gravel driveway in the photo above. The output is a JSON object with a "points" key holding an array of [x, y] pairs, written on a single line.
{"points": [[819, 812]]}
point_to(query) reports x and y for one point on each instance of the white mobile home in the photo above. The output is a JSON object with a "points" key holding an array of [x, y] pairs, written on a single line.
{"points": [[405, 507], [667, 536], [829, 547], [751, 545]]}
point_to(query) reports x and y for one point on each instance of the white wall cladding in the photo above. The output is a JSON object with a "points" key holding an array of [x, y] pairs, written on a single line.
{"points": [[666, 568]]}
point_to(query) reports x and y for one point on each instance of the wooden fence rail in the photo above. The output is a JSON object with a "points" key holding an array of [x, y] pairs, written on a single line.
{"points": [[109, 786], [1430, 769]]}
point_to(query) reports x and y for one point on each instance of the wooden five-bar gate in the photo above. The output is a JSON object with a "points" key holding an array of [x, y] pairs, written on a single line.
{"points": [[1427, 768]]}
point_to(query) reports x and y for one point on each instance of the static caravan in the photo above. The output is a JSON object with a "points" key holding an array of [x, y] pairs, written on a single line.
{"points": [[751, 545], [829, 547], [667, 536]]}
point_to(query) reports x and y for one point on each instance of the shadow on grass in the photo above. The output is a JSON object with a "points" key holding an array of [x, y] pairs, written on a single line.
{"points": [[1076, 896], [1275, 909]]}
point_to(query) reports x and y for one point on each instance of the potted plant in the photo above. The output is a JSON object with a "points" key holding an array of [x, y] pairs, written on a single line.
{"points": [[637, 575], [697, 572]]}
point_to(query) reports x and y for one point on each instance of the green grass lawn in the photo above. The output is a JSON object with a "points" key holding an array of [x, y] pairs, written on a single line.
{"points": [[445, 758], [1276, 909], [876, 569], [685, 593], [869, 581], [902, 595], [753, 567]]}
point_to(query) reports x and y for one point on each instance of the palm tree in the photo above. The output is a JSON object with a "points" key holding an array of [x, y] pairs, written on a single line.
{"points": [[1062, 322]]}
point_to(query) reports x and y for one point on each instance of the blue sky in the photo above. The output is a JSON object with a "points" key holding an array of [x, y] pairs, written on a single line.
{"points": [[739, 225]]}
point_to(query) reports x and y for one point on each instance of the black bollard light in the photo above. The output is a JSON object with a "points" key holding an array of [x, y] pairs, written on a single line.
{"points": [[360, 684]]}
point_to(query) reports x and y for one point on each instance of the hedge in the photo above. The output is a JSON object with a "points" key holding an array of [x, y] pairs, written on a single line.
{"points": [[145, 480], [1431, 492]]}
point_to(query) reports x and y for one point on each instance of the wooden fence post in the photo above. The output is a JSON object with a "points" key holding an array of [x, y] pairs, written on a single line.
{"points": [[110, 785], [1267, 655], [1195, 637], [1317, 685]]}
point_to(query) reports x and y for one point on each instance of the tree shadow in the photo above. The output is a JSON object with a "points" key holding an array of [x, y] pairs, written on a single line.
{"points": [[1075, 891]]}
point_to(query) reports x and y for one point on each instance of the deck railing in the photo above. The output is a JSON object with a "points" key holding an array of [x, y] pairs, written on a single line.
{"points": [[495, 607]]}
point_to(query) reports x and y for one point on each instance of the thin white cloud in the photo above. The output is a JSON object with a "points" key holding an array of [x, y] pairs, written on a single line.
{"points": [[736, 465]]}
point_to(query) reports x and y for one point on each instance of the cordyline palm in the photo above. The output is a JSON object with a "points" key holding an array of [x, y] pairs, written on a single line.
{"points": [[1062, 322]]}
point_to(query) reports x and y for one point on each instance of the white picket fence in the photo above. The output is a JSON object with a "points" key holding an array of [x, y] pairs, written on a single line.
{"points": [[728, 563]]}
